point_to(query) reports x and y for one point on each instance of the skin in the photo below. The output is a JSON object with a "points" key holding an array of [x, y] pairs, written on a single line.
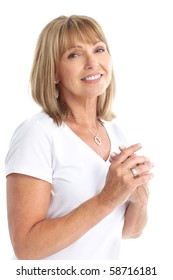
{"points": [[33, 235], [136, 213]]}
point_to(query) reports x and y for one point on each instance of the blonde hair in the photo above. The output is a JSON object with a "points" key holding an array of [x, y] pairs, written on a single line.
{"points": [[57, 36]]}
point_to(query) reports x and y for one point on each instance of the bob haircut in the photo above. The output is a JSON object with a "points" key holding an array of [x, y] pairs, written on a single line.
{"points": [[54, 40]]}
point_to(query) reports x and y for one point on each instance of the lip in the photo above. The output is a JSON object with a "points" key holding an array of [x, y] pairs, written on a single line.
{"points": [[92, 77]]}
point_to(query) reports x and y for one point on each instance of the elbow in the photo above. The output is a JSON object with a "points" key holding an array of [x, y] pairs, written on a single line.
{"points": [[131, 235], [137, 234], [22, 253], [22, 250]]}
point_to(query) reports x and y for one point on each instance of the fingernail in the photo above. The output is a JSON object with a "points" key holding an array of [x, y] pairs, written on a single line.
{"points": [[122, 147], [139, 144], [113, 154]]}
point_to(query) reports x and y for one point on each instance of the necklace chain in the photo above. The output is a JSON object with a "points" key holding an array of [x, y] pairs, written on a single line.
{"points": [[96, 138]]}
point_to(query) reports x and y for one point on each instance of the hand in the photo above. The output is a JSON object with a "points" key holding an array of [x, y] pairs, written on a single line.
{"points": [[121, 185], [141, 194]]}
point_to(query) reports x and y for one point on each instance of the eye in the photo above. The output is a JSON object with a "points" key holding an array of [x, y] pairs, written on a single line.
{"points": [[100, 49], [73, 55]]}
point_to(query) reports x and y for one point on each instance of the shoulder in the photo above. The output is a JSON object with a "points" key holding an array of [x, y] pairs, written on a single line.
{"points": [[36, 126], [40, 120], [31, 148]]}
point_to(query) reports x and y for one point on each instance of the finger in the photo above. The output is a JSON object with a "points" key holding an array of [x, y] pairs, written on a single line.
{"points": [[144, 168], [127, 152], [134, 160], [143, 179], [141, 169], [112, 156], [122, 147]]}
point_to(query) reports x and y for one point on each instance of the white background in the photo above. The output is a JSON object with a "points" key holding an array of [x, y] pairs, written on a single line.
{"points": [[140, 38]]}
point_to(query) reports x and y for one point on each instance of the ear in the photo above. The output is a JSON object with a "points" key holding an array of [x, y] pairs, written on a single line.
{"points": [[56, 81]]}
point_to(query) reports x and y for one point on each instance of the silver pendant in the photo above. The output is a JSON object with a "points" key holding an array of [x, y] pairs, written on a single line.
{"points": [[97, 140]]}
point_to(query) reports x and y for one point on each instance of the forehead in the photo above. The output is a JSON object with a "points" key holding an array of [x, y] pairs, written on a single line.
{"points": [[76, 35], [80, 44]]}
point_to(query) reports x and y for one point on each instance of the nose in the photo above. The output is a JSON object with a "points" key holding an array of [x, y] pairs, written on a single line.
{"points": [[91, 64]]}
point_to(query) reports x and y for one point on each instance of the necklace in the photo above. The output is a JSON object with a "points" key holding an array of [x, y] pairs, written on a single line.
{"points": [[96, 138]]}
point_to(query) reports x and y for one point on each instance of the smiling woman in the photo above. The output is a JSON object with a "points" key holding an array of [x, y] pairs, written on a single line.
{"points": [[71, 192], [88, 68], [59, 41]]}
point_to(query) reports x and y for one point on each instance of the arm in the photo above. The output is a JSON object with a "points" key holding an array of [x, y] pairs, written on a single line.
{"points": [[136, 213], [34, 236]]}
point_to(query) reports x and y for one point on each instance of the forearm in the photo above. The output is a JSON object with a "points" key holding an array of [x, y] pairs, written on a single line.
{"points": [[52, 235], [135, 220]]}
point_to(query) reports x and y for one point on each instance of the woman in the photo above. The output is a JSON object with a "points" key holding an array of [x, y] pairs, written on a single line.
{"points": [[73, 187]]}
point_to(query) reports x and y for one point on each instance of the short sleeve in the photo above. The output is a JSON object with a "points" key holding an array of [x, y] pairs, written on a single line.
{"points": [[30, 151]]}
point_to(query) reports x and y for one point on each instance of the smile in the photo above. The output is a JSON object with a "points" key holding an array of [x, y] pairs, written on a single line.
{"points": [[92, 78]]}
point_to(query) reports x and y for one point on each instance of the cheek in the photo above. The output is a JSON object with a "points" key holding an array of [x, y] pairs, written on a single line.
{"points": [[62, 71], [109, 64], [109, 69], [64, 75]]}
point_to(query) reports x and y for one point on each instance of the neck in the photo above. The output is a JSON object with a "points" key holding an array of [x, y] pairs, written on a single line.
{"points": [[84, 117], [85, 113], [95, 125]]}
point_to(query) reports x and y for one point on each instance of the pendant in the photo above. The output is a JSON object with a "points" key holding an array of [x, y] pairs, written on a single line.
{"points": [[97, 140]]}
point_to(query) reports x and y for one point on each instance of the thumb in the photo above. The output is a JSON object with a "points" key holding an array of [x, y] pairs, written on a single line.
{"points": [[112, 156]]}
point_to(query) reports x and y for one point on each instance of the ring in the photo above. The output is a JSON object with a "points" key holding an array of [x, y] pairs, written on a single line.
{"points": [[134, 172]]}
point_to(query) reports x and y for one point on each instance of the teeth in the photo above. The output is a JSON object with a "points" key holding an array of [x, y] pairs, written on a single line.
{"points": [[92, 78]]}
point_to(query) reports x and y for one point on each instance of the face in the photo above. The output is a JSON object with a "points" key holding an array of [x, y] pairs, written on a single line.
{"points": [[85, 70]]}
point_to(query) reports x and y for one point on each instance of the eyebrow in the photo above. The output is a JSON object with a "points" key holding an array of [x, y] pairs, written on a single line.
{"points": [[75, 47], [80, 47]]}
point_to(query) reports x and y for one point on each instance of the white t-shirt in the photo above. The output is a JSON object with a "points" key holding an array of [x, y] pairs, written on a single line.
{"points": [[42, 149]]}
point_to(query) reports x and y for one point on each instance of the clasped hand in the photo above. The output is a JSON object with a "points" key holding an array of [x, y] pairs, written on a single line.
{"points": [[121, 183]]}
